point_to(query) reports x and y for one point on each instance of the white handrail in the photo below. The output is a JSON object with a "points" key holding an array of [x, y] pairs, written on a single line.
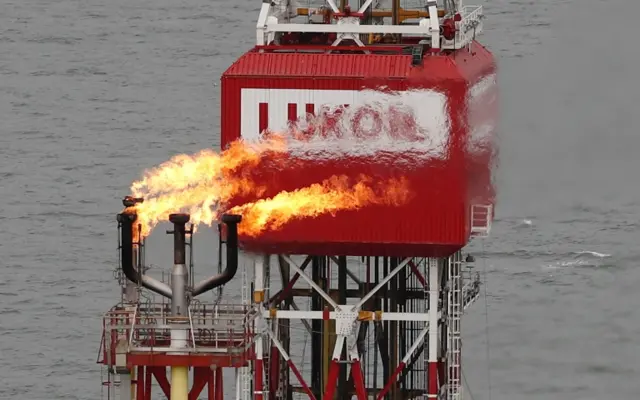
{"points": [[193, 338], [133, 324]]}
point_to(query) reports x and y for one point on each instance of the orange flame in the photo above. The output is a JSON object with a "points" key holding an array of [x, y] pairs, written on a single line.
{"points": [[197, 183], [330, 196]]}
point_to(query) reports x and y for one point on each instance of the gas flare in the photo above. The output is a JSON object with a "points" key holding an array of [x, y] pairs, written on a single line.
{"points": [[197, 183], [332, 195], [201, 183]]}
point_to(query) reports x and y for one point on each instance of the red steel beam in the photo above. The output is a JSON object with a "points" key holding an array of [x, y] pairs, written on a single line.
{"points": [[416, 272], [190, 360], [200, 380], [274, 372], [358, 380], [160, 373]]}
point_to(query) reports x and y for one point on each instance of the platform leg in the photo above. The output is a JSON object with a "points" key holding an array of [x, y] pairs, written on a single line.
{"points": [[211, 386], [334, 369], [125, 386], [259, 298], [140, 395], [356, 370], [179, 383], [219, 384], [434, 295], [148, 381]]}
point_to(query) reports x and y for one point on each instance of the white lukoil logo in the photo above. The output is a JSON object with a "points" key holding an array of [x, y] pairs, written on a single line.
{"points": [[354, 121]]}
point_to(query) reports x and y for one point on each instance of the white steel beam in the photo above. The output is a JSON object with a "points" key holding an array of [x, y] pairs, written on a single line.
{"points": [[364, 7], [349, 28], [434, 294], [259, 298], [333, 6], [434, 297], [262, 22], [416, 343], [434, 23], [337, 349]]}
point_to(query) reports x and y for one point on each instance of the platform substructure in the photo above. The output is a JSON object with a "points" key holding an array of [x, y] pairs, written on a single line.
{"points": [[375, 327], [136, 349]]}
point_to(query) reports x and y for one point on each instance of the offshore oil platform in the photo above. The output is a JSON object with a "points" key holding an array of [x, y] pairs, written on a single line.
{"points": [[391, 115]]}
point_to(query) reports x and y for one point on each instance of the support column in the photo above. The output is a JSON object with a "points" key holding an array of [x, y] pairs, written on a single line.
{"points": [[284, 331], [334, 369], [211, 386], [342, 299], [239, 383], [148, 381], [434, 295], [126, 386], [393, 325], [219, 384], [258, 299], [179, 305], [317, 266], [140, 395]]}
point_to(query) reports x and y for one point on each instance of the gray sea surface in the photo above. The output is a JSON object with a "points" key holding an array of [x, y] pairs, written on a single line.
{"points": [[93, 92]]}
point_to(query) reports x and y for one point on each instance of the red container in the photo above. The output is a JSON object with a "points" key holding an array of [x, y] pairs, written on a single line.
{"points": [[431, 123]]}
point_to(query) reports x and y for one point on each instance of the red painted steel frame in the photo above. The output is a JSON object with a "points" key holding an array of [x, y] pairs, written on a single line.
{"points": [[168, 360], [202, 377]]}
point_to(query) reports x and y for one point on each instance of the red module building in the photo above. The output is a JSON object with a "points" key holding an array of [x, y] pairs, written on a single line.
{"points": [[419, 107]]}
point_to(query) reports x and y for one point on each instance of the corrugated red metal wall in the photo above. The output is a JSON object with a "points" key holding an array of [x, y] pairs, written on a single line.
{"points": [[265, 89]]}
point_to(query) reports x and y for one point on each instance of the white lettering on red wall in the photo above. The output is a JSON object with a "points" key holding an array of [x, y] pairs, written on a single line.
{"points": [[418, 116]]}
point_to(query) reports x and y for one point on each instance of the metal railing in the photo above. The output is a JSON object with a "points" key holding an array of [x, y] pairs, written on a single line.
{"points": [[469, 26], [211, 328]]}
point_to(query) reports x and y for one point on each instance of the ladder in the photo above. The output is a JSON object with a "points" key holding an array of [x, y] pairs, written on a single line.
{"points": [[245, 372], [481, 218], [454, 314]]}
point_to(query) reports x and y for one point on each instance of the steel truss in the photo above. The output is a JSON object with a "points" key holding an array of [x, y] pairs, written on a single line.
{"points": [[275, 17], [417, 345]]}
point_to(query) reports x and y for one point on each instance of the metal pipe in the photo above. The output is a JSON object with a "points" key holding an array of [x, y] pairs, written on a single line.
{"points": [[179, 222], [179, 303], [126, 220], [179, 273], [231, 221]]}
